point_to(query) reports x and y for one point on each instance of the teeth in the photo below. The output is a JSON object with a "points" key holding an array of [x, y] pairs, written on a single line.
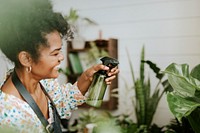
{"points": [[58, 67]]}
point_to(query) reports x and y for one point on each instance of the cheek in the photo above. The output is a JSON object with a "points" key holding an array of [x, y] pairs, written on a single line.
{"points": [[46, 71], [47, 67], [46, 64], [42, 66]]}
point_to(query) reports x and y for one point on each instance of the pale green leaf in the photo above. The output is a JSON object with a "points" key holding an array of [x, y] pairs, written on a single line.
{"points": [[181, 81], [179, 106]]}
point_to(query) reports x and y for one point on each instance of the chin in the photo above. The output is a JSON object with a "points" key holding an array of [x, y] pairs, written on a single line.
{"points": [[54, 75]]}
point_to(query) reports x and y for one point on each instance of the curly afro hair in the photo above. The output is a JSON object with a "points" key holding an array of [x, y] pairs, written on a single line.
{"points": [[23, 24]]}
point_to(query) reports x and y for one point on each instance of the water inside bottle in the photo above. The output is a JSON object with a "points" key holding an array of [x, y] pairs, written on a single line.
{"points": [[95, 102]]}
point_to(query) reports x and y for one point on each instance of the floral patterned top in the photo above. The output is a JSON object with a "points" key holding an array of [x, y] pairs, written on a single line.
{"points": [[16, 115]]}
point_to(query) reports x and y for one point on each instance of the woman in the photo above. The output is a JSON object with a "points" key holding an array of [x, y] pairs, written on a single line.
{"points": [[32, 39]]}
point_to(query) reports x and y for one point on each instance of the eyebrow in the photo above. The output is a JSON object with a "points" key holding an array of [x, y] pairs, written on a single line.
{"points": [[58, 49]]}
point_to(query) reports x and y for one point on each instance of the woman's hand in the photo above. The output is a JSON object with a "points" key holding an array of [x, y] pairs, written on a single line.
{"points": [[89, 73], [87, 76], [111, 75]]}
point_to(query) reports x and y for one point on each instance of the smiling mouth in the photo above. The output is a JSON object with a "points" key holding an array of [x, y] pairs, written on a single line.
{"points": [[57, 67]]}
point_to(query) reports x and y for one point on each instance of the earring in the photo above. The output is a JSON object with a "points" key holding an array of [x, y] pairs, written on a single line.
{"points": [[28, 69]]}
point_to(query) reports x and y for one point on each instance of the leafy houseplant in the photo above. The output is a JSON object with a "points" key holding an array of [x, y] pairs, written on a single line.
{"points": [[104, 122], [184, 100], [92, 55], [95, 53], [144, 103], [78, 24], [74, 18], [179, 127]]}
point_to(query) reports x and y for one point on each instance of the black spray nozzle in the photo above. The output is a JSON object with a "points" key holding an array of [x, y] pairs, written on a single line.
{"points": [[110, 62]]}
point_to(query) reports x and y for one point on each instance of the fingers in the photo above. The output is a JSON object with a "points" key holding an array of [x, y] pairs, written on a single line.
{"points": [[113, 71], [100, 67], [109, 79], [90, 72], [111, 74]]}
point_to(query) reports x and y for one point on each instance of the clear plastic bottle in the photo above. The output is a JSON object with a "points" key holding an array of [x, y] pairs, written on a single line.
{"points": [[98, 86]]}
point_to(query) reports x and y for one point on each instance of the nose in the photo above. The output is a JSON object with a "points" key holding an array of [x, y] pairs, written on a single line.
{"points": [[61, 57]]}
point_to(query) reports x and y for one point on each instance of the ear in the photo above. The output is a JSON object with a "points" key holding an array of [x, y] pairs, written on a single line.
{"points": [[25, 59]]}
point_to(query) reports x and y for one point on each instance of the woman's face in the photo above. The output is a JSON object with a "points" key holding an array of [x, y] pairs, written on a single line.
{"points": [[50, 58]]}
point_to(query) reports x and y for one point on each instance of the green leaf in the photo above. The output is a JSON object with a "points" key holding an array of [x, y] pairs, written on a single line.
{"points": [[147, 88], [90, 21], [167, 86], [142, 66], [194, 119], [140, 101], [107, 126], [184, 100], [65, 71], [145, 104], [73, 16], [132, 128], [154, 68], [180, 106], [152, 103], [181, 81], [196, 72], [131, 66]]}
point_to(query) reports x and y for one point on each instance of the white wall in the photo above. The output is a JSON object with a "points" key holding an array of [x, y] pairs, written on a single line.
{"points": [[169, 29], [5, 66]]}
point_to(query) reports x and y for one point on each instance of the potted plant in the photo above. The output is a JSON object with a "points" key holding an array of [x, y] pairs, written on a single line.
{"points": [[143, 102], [77, 24], [101, 121]]}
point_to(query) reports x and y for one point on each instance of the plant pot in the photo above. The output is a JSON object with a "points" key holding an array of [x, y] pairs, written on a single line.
{"points": [[89, 128], [78, 42]]}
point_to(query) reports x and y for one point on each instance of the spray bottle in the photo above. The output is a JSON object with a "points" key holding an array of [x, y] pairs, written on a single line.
{"points": [[98, 86]]}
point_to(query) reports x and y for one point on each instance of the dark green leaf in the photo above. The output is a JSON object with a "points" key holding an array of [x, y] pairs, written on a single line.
{"points": [[196, 72], [194, 119], [167, 86], [154, 68]]}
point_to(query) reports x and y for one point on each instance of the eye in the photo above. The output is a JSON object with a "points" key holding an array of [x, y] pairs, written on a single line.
{"points": [[57, 53]]}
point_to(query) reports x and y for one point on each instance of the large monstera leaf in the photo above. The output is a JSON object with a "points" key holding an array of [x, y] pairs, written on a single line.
{"points": [[180, 79], [184, 100]]}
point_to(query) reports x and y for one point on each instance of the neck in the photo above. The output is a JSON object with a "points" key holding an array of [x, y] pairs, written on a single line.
{"points": [[27, 79]]}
